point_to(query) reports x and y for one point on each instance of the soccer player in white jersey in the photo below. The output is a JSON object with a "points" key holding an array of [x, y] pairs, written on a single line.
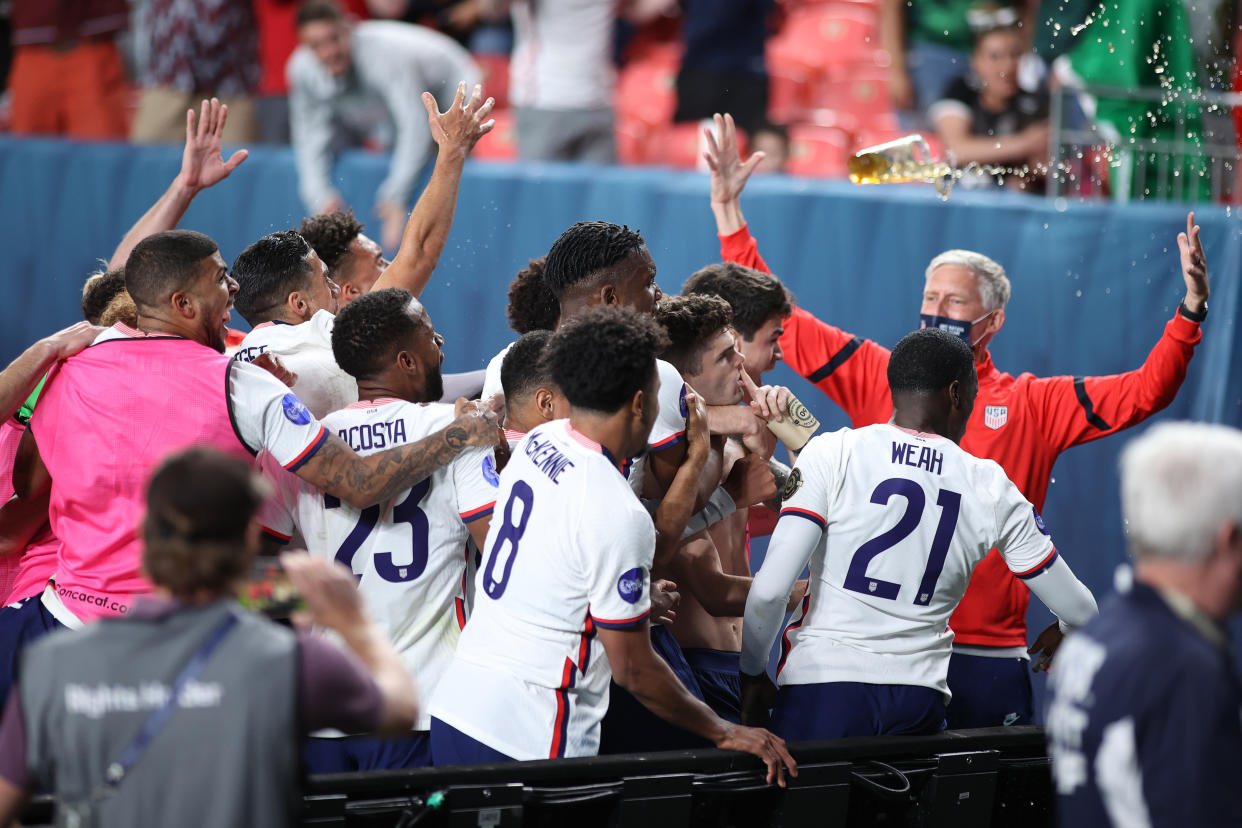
{"points": [[410, 552], [288, 297], [892, 519], [561, 600]]}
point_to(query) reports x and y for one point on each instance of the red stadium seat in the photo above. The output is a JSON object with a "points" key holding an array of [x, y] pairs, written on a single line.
{"points": [[647, 88], [634, 141], [495, 77], [501, 143], [788, 85], [862, 93], [679, 145], [817, 151], [822, 36]]}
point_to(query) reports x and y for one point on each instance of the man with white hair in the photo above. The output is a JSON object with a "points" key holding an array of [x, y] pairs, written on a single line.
{"points": [[1136, 744], [1022, 422]]}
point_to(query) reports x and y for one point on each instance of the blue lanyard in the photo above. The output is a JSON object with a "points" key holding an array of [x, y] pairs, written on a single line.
{"points": [[158, 718]]}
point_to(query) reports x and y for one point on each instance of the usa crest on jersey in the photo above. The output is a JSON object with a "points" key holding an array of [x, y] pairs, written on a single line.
{"points": [[995, 416]]}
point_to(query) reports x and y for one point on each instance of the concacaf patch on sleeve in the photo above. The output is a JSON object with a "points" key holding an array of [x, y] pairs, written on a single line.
{"points": [[792, 484], [681, 402], [295, 410], [489, 471], [631, 584], [1039, 521]]}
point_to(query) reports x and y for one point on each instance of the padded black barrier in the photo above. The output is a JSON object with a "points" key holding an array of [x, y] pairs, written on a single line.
{"points": [[963, 779]]}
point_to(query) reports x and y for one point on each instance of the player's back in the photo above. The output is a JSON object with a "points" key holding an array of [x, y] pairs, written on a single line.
{"points": [[569, 549], [409, 553], [907, 516], [306, 350]]}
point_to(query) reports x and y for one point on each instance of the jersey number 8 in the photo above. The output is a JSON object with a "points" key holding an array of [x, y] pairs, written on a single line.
{"points": [[510, 533]]}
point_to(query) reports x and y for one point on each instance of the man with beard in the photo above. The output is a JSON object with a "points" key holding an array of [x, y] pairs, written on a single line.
{"points": [[410, 551]]}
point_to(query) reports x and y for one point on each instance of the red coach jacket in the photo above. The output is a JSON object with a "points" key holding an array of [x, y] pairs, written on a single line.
{"points": [[1023, 423]]}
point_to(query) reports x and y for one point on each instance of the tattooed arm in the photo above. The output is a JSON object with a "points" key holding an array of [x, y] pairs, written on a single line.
{"points": [[365, 481]]}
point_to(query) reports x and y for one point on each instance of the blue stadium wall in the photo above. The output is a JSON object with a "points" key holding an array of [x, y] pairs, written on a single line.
{"points": [[1093, 284]]}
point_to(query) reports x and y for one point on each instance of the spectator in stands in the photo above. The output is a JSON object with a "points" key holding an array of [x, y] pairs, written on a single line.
{"points": [[67, 77], [929, 45], [1143, 726], [354, 83], [562, 76], [236, 689], [986, 117], [278, 37], [198, 49], [773, 141], [722, 68]]}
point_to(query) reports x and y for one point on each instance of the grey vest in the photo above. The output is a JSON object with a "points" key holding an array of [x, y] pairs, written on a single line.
{"points": [[227, 757]]}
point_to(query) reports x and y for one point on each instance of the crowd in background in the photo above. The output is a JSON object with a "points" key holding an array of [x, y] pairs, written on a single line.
{"points": [[809, 81]]}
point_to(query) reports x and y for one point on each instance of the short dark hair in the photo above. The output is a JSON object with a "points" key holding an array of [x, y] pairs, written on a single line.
{"points": [[690, 322], [268, 271], [164, 263], [330, 235], [314, 10], [199, 506], [369, 331], [779, 130], [99, 291], [928, 360], [600, 359], [586, 250], [523, 369], [754, 296], [532, 307]]}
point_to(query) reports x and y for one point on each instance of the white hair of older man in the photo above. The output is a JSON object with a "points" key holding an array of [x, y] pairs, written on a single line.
{"points": [[993, 283], [1180, 482]]}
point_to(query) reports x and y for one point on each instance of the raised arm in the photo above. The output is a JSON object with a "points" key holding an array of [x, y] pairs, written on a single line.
{"points": [[364, 481], [677, 505], [1074, 410], [202, 165], [455, 132]]}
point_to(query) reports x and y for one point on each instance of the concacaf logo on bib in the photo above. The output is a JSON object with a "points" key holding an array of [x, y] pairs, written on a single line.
{"points": [[995, 416]]}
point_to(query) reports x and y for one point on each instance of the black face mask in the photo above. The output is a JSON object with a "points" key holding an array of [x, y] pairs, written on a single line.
{"points": [[958, 327]]}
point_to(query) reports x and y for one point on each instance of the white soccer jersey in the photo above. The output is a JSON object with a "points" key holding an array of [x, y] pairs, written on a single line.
{"points": [[409, 553], [306, 350], [906, 517], [491, 376], [569, 550]]}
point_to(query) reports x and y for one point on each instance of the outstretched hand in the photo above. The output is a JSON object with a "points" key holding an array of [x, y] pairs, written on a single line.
{"points": [[463, 123], [1194, 266], [729, 172], [69, 341], [202, 164]]}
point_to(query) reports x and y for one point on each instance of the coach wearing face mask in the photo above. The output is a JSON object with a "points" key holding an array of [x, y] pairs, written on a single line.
{"points": [[1023, 423]]}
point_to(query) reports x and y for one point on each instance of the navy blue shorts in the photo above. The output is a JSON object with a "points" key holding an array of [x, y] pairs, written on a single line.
{"points": [[449, 746], [21, 624], [629, 727], [718, 674], [367, 753], [989, 692], [840, 709]]}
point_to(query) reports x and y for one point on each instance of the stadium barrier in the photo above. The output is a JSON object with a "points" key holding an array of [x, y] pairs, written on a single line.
{"points": [[1093, 282], [955, 779]]}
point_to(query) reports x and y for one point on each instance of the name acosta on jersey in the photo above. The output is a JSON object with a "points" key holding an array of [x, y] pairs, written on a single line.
{"points": [[374, 435]]}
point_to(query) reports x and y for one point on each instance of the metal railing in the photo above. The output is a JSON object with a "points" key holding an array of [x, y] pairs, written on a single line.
{"points": [[1086, 162]]}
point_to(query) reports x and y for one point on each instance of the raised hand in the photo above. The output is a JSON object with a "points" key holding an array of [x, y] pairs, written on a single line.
{"points": [[202, 164], [1194, 266], [767, 401], [463, 123], [698, 436], [729, 172]]}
